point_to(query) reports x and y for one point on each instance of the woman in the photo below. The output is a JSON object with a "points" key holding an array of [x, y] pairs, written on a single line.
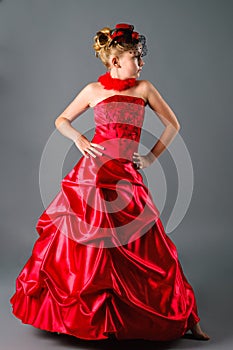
{"points": [[103, 265]]}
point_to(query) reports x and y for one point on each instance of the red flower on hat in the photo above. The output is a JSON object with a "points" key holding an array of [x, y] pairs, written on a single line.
{"points": [[135, 35]]}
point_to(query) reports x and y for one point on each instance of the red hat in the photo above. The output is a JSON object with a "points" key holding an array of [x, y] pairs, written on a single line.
{"points": [[123, 33]]}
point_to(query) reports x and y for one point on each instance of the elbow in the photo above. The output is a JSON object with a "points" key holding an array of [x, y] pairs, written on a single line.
{"points": [[58, 121], [174, 126]]}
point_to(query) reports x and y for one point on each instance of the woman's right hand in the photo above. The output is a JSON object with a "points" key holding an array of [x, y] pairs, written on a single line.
{"points": [[84, 145]]}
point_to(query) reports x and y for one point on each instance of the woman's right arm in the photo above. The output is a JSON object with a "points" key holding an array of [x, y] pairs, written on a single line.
{"points": [[78, 106], [63, 122]]}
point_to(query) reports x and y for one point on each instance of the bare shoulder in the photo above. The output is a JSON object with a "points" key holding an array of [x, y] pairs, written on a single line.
{"points": [[85, 96], [79, 104], [147, 87], [152, 95], [144, 88], [95, 92], [92, 86], [157, 103], [89, 88]]}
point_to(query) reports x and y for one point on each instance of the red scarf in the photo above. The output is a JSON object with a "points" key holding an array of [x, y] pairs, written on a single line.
{"points": [[110, 83]]}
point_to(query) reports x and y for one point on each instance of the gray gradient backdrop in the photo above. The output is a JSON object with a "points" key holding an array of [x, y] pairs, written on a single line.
{"points": [[46, 58]]}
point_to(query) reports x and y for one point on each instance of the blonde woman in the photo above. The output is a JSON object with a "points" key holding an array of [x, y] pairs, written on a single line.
{"points": [[103, 265]]}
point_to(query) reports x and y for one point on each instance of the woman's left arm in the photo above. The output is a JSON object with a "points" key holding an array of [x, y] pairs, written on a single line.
{"points": [[167, 117]]}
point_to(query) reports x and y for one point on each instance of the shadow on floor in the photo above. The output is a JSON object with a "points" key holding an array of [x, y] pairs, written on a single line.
{"points": [[114, 344]]}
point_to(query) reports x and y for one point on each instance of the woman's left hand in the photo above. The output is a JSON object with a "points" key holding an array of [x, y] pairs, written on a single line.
{"points": [[142, 161]]}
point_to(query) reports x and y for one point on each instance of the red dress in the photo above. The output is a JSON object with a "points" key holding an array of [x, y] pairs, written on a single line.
{"points": [[103, 263]]}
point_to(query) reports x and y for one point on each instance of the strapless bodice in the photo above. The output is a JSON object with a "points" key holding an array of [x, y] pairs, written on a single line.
{"points": [[118, 123]]}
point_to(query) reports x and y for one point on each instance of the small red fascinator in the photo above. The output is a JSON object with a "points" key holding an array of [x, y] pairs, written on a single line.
{"points": [[124, 33]]}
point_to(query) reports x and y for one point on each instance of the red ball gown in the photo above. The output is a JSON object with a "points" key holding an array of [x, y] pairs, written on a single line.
{"points": [[102, 263]]}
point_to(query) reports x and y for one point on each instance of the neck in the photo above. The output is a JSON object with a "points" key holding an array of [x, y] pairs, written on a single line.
{"points": [[115, 74]]}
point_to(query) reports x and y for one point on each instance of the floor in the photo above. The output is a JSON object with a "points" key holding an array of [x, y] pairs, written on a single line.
{"points": [[15, 335]]}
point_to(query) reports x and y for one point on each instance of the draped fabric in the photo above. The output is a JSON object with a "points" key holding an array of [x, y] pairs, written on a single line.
{"points": [[102, 262]]}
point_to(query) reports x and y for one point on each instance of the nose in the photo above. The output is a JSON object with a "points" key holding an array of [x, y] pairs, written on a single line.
{"points": [[141, 62]]}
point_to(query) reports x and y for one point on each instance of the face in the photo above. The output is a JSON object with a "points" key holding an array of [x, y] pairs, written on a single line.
{"points": [[130, 63]]}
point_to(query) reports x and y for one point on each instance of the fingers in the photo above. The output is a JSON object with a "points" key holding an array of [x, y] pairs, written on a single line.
{"points": [[91, 153], [83, 152], [91, 148], [136, 157], [137, 160], [100, 153], [96, 145]]}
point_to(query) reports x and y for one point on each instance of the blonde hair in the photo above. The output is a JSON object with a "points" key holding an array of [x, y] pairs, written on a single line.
{"points": [[102, 40]]}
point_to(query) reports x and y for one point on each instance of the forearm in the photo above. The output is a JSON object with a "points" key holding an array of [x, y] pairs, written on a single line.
{"points": [[64, 126], [165, 139]]}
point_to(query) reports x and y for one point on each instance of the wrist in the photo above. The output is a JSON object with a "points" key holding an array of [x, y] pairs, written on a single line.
{"points": [[77, 137], [151, 157]]}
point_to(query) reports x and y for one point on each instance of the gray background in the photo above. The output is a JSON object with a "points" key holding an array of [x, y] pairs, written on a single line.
{"points": [[46, 59]]}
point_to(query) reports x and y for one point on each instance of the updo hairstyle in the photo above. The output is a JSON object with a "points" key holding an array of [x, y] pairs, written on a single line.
{"points": [[115, 41]]}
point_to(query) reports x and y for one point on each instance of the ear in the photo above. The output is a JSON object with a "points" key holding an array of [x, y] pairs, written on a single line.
{"points": [[115, 62]]}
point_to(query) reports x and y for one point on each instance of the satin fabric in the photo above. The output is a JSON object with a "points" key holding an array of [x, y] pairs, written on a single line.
{"points": [[102, 263]]}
